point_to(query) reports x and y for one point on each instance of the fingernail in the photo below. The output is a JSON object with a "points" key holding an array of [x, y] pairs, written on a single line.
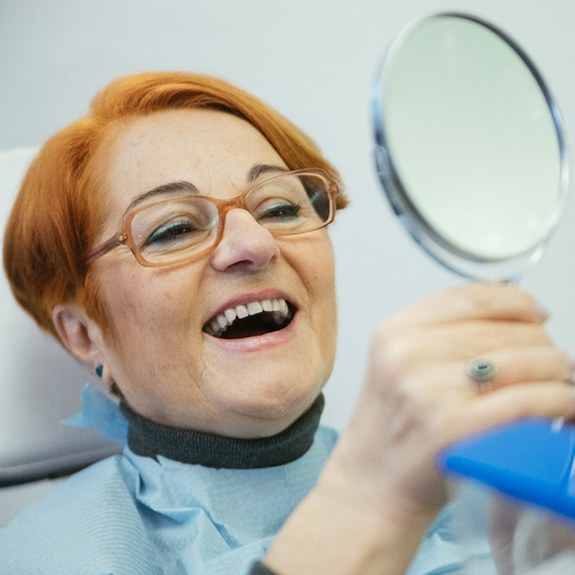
{"points": [[542, 312], [569, 357]]}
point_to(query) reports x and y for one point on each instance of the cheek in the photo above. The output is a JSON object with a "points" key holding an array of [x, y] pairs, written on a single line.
{"points": [[324, 314], [320, 282], [323, 265], [150, 339], [328, 295], [140, 309]]}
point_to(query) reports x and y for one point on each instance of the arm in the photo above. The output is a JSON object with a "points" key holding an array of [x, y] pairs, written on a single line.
{"points": [[381, 489]]}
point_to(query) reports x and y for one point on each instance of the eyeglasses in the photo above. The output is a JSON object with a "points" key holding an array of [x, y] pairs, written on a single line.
{"points": [[185, 228]]}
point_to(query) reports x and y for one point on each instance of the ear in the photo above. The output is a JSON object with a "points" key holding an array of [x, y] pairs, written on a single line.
{"points": [[79, 334]]}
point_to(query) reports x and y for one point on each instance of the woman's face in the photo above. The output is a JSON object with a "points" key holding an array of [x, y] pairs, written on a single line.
{"points": [[161, 354]]}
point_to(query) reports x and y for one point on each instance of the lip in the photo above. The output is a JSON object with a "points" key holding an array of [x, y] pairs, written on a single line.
{"points": [[258, 342]]}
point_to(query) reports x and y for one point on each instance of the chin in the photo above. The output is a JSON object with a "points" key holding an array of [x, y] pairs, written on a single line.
{"points": [[272, 412]]}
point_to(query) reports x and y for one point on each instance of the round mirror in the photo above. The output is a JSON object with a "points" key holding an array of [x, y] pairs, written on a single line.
{"points": [[471, 154], [469, 146]]}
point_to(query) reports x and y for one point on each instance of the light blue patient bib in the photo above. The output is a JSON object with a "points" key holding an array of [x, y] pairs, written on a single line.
{"points": [[134, 515]]}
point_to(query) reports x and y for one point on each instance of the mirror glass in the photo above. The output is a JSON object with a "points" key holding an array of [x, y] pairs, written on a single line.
{"points": [[469, 146]]}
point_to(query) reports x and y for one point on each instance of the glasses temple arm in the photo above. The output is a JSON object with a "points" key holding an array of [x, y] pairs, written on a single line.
{"points": [[104, 248]]}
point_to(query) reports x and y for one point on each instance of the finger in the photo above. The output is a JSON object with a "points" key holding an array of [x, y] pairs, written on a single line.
{"points": [[448, 383], [479, 301], [547, 399], [530, 364], [417, 349], [466, 340]]}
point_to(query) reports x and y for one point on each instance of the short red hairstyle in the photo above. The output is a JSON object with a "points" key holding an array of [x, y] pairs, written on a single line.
{"points": [[54, 219]]}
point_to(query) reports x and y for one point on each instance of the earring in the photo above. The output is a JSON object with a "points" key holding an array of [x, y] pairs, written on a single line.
{"points": [[99, 370]]}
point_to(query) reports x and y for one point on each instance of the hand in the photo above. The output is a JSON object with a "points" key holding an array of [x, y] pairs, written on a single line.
{"points": [[417, 398]]}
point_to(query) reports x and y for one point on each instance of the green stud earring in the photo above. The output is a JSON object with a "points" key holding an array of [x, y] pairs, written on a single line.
{"points": [[99, 370]]}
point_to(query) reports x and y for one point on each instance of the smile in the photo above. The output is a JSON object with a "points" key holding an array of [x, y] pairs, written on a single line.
{"points": [[251, 319]]}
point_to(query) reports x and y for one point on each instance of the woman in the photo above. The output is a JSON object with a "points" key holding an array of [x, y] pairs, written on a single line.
{"points": [[186, 261]]}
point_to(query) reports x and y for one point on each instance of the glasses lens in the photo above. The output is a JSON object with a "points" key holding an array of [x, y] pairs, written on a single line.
{"points": [[291, 204], [171, 230]]}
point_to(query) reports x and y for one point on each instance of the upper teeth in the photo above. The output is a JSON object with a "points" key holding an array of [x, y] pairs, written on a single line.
{"points": [[222, 321]]}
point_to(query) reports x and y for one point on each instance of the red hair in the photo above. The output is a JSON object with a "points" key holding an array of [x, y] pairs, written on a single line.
{"points": [[55, 216]]}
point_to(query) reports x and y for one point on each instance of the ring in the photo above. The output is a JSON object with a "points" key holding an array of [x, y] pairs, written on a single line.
{"points": [[481, 371]]}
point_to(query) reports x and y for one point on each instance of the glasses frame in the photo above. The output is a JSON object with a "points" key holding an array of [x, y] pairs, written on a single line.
{"points": [[123, 236]]}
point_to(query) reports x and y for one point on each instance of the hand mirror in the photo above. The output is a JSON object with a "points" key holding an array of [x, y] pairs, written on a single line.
{"points": [[469, 146], [471, 155]]}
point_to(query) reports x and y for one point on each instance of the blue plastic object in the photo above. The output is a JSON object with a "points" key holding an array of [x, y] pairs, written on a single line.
{"points": [[529, 461]]}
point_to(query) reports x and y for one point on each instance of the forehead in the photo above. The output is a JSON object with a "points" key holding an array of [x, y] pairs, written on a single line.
{"points": [[206, 147]]}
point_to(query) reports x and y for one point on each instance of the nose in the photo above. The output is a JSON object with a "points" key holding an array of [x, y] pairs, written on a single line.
{"points": [[245, 244]]}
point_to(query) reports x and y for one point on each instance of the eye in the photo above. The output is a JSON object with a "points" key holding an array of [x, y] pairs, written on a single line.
{"points": [[172, 231], [174, 225], [278, 210]]}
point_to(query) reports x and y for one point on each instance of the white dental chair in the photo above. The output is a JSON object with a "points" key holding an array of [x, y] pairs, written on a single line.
{"points": [[39, 385]]}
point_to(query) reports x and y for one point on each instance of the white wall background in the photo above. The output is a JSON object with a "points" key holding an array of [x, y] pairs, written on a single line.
{"points": [[315, 62]]}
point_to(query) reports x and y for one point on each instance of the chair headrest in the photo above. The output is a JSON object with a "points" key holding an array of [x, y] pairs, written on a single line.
{"points": [[40, 383]]}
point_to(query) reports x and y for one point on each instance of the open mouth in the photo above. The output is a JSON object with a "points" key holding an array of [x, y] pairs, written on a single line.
{"points": [[252, 319]]}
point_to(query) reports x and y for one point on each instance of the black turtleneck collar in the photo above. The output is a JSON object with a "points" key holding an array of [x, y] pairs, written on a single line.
{"points": [[151, 439]]}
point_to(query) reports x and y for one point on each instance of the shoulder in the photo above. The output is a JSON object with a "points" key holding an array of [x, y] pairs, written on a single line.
{"points": [[89, 519], [94, 488]]}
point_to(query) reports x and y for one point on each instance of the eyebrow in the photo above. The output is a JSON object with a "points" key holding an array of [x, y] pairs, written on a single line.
{"points": [[185, 186], [261, 169], [163, 189]]}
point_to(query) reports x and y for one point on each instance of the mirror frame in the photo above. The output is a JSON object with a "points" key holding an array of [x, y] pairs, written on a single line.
{"points": [[442, 250]]}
